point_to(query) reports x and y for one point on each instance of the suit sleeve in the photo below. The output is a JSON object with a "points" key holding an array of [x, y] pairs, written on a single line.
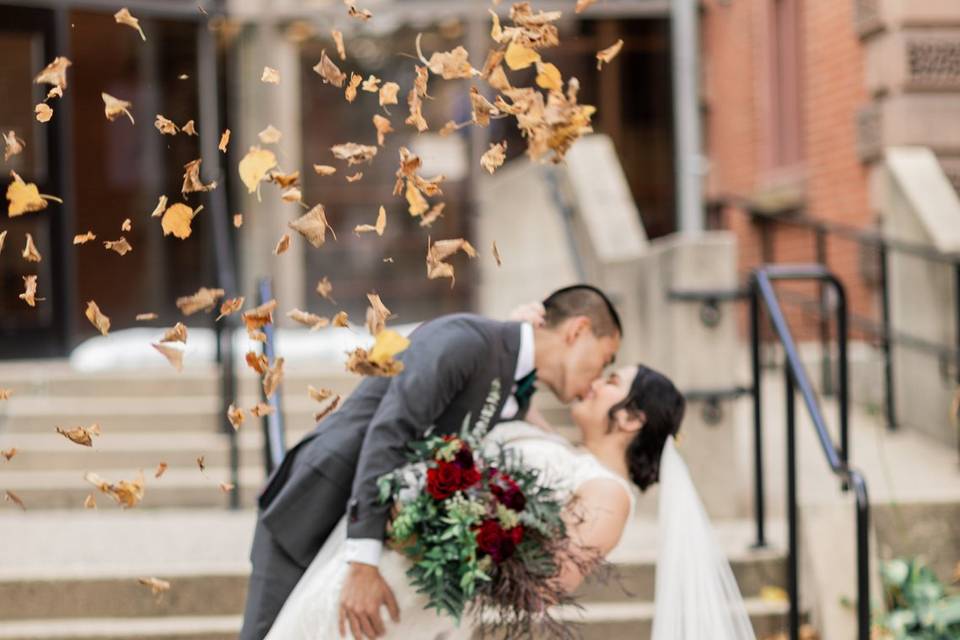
{"points": [[439, 363]]}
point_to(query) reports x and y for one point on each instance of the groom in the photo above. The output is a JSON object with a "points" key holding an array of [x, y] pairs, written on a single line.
{"points": [[452, 369]]}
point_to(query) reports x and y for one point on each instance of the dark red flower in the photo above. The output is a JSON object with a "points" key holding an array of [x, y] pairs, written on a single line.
{"points": [[507, 492], [464, 458], [496, 542], [444, 480]]}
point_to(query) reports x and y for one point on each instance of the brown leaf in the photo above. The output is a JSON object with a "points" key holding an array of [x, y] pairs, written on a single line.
{"points": [[383, 127], [360, 14], [496, 254], [24, 197], [255, 166], [608, 54], [273, 378], [325, 288], [532, 30], [330, 408], [416, 119], [29, 294], [8, 453], [259, 316], [481, 108], [329, 71], [285, 180], [224, 140], [379, 227], [388, 93], [3, 237], [340, 320], [127, 225], [420, 83], [30, 253], [270, 135], [89, 502], [191, 178], [377, 314], [449, 127], [261, 409], [282, 245], [450, 64], [54, 73], [190, 129], [96, 318], [203, 300], [354, 153], [324, 169], [494, 157], [177, 220], [439, 251], [166, 127], [311, 320], [13, 145], [201, 463], [338, 40], [237, 220], [126, 493], [293, 194], [10, 496], [114, 107], [270, 76], [161, 469], [43, 112], [146, 316], [176, 334], [160, 208], [157, 586], [80, 435], [313, 226], [355, 177], [258, 362], [236, 416], [123, 17], [380, 360], [173, 355], [350, 93], [319, 394], [121, 246], [582, 5], [433, 214], [372, 84], [230, 306]]}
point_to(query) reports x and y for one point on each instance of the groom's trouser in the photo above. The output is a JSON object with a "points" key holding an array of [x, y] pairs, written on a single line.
{"points": [[274, 576]]}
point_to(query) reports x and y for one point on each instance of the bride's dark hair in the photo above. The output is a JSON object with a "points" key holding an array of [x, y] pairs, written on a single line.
{"points": [[654, 394]]}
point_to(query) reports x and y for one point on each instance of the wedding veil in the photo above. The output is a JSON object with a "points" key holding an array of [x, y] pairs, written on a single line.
{"points": [[697, 597]]}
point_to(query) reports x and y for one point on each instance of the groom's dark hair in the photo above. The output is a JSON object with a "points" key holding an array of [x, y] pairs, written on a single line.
{"points": [[583, 300]]}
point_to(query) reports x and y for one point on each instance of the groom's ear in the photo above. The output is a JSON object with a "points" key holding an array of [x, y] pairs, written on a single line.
{"points": [[575, 327]]}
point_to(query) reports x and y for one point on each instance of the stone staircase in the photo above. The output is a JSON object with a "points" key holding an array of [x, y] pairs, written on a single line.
{"points": [[70, 573]]}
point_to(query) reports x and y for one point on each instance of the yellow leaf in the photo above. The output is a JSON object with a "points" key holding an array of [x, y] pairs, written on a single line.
{"points": [[43, 112], [24, 197], [609, 53], [389, 343], [548, 77], [520, 57], [114, 107], [96, 318], [255, 166], [177, 219], [123, 17]]}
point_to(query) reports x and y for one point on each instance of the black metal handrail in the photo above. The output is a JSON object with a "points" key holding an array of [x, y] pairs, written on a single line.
{"points": [[274, 435], [797, 379]]}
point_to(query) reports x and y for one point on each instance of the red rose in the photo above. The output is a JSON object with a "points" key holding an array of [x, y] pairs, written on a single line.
{"points": [[444, 480], [496, 542], [507, 492]]}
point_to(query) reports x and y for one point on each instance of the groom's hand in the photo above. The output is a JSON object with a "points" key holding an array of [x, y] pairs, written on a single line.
{"points": [[364, 593]]}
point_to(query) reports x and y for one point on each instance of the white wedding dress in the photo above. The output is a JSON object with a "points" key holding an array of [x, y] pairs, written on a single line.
{"points": [[311, 611]]}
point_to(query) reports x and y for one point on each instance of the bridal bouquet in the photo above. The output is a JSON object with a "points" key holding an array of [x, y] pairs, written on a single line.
{"points": [[482, 534]]}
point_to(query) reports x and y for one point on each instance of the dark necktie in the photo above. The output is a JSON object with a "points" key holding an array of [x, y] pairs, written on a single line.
{"points": [[525, 390]]}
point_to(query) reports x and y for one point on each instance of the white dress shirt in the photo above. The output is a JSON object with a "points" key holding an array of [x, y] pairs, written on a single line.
{"points": [[368, 550]]}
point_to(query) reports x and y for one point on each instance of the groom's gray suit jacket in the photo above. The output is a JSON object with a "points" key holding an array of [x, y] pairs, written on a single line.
{"points": [[449, 372]]}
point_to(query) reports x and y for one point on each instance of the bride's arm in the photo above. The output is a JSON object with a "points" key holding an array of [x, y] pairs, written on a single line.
{"points": [[595, 522]]}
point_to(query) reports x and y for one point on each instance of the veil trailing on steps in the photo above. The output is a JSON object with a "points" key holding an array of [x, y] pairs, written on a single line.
{"points": [[697, 597]]}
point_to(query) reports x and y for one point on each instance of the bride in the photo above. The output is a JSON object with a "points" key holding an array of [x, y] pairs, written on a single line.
{"points": [[627, 422]]}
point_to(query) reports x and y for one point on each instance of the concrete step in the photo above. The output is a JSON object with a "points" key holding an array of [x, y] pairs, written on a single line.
{"points": [[163, 628]]}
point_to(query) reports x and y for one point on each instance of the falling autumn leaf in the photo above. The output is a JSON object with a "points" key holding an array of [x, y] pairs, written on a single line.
{"points": [[123, 17], [329, 71], [282, 245], [54, 73], [191, 178], [439, 251], [157, 586], [388, 94], [520, 57], [230, 306], [189, 128], [261, 409], [237, 220], [96, 317], [24, 197], [43, 112], [174, 355], [224, 140], [161, 469], [80, 435], [433, 214], [494, 157], [496, 254], [89, 502], [379, 227], [324, 170], [354, 177], [29, 294], [203, 300], [292, 194], [55, 92], [420, 83], [350, 93], [259, 316], [255, 166], [354, 153], [176, 334], [114, 107], [417, 204], [270, 76], [313, 226], [582, 5], [330, 408], [273, 378], [379, 361], [8, 453], [126, 493], [449, 64], [319, 394], [10, 496], [5, 393], [416, 119], [121, 246], [258, 362], [201, 463], [324, 288], [160, 208], [177, 219], [165, 126], [146, 316], [127, 225], [338, 40], [360, 14], [377, 314], [30, 253], [227, 487], [481, 108], [548, 77], [311, 320], [236, 416], [270, 135], [608, 54], [12, 145], [372, 84], [340, 320]]}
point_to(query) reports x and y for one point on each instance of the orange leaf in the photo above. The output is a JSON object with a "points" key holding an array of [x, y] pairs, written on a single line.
{"points": [[96, 318]]}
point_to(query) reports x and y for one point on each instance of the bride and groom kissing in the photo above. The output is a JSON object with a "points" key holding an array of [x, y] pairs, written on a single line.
{"points": [[320, 569]]}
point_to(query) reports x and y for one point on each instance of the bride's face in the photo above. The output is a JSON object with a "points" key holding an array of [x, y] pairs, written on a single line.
{"points": [[593, 411]]}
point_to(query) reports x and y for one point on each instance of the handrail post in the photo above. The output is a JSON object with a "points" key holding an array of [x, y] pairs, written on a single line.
{"points": [[826, 367], [793, 560], [863, 555], [887, 339], [758, 494], [843, 367]]}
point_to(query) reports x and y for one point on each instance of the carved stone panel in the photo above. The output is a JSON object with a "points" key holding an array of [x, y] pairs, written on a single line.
{"points": [[933, 63], [869, 132]]}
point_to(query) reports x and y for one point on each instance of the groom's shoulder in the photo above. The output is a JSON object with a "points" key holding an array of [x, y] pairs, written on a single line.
{"points": [[466, 325]]}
